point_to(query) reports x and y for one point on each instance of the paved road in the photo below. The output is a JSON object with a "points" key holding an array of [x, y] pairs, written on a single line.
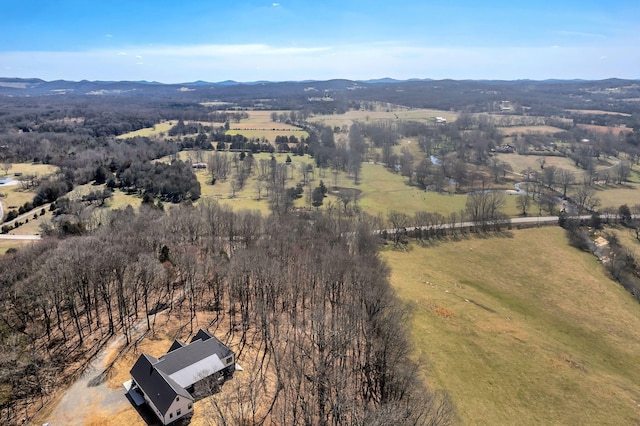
{"points": [[518, 220]]}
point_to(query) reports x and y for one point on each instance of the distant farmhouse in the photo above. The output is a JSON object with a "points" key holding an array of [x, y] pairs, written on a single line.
{"points": [[168, 384], [441, 120]]}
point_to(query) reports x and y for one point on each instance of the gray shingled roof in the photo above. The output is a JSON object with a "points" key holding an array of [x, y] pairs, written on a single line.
{"points": [[153, 375], [177, 344], [158, 386]]}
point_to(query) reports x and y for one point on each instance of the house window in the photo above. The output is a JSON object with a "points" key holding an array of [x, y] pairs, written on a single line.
{"points": [[178, 412], [189, 406], [170, 415], [228, 360], [177, 398]]}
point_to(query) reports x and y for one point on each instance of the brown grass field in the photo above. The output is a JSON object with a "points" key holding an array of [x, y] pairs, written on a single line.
{"points": [[259, 125], [351, 116], [605, 129], [597, 112], [510, 131], [7, 244], [522, 330]]}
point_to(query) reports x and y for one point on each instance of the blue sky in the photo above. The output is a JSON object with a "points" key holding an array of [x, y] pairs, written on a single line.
{"points": [[180, 41]]}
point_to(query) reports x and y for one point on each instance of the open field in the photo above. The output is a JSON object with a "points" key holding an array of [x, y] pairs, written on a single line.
{"points": [[346, 119], [605, 129], [596, 112], [509, 131], [30, 169], [616, 196], [149, 131], [522, 162], [259, 125], [13, 195], [627, 238], [32, 227], [267, 133], [7, 244], [522, 330]]}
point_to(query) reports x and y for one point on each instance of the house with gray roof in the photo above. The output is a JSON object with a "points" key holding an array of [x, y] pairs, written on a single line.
{"points": [[167, 384]]}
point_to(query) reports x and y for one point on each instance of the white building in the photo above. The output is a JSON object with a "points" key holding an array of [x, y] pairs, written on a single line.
{"points": [[166, 384]]}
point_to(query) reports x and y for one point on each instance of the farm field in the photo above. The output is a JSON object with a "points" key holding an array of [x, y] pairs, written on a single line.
{"points": [[510, 131], [597, 112], [522, 329], [627, 238], [346, 119], [605, 129], [522, 162], [616, 196], [149, 131], [259, 125]]}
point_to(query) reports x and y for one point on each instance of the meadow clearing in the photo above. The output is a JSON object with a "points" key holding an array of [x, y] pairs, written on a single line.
{"points": [[519, 130], [522, 329], [259, 125], [148, 132], [391, 113], [14, 196]]}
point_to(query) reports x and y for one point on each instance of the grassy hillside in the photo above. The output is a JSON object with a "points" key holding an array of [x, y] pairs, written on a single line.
{"points": [[522, 330]]}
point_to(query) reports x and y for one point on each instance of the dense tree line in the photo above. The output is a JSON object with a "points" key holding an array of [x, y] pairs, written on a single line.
{"points": [[311, 296]]}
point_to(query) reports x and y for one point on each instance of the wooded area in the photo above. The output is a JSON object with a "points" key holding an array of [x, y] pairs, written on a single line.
{"points": [[312, 296], [304, 287]]}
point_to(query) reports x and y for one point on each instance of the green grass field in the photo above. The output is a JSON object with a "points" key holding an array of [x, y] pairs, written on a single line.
{"points": [[627, 238], [149, 131], [618, 195], [259, 125], [522, 330], [522, 162]]}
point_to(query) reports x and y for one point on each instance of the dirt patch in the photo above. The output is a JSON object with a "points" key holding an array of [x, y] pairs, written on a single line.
{"points": [[443, 312]]}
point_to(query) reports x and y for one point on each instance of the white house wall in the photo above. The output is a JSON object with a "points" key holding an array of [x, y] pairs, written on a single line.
{"points": [[180, 403]]}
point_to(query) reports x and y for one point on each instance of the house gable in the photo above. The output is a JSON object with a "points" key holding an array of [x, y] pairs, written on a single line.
{"points": [[163, 381]]}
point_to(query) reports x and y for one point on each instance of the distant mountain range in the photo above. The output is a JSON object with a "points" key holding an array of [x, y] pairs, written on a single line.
{"points": [[36, 86], [341, 94]]}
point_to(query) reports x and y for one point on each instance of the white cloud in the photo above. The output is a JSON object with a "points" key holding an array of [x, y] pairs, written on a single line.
{"points": [[108, 36], [275, 4], [250, 62]]}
